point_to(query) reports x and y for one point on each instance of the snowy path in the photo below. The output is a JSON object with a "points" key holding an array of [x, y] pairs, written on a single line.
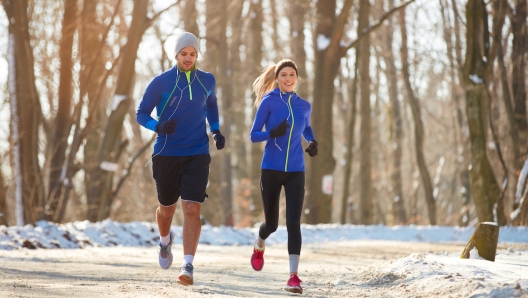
{"points": [[335, 269]]}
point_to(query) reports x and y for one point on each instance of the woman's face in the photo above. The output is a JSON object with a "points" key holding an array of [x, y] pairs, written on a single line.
{"points": [[186, 58], [287, 79]]}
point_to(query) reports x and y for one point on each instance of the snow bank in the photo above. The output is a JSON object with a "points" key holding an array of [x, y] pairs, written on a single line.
{"points": [[109, 233]]}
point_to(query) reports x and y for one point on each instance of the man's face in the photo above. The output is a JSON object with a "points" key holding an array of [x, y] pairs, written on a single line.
{"points": [[186, 58]]}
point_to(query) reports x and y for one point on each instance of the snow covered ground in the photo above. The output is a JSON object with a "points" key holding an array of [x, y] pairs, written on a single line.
{"points": [[109, 233], [427, 274]]}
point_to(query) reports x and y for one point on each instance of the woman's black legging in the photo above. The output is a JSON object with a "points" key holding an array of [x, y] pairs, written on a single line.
{"points": [[271, 183]]}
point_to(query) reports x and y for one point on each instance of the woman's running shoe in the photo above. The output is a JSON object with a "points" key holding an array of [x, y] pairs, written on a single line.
{"points": [[294, 284], [257, 259]]}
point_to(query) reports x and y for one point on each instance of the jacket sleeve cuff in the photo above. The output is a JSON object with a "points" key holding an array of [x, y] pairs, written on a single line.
{"points": [[215, 126], [152, 125]]}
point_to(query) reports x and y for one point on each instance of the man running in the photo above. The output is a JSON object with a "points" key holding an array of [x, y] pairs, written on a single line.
{"points": [[184, 97]]}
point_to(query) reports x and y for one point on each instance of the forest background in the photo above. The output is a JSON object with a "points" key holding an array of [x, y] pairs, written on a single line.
{"points": [[419, 107]]}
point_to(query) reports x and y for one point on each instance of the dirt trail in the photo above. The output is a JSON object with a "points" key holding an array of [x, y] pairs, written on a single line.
{"points": [[220, 271]]}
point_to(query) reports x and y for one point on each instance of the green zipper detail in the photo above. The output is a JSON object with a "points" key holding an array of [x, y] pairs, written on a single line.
{"points": [[168, 99], [188, 75], [291, 131], [206, 91]]}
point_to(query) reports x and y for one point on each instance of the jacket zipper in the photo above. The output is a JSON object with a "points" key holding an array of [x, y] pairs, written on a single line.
{"points": [[291, 131]]}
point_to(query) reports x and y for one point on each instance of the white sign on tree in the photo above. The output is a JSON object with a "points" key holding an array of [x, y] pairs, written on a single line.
{"points": [[328, 184]]}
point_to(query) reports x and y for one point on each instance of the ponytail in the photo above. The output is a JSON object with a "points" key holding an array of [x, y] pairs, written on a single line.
{"points": [[264, 84]]}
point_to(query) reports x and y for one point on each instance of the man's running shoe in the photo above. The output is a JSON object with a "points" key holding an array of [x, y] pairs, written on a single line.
{"points": [[294, 284], [186, 275], [257, 259], [165, 254]]}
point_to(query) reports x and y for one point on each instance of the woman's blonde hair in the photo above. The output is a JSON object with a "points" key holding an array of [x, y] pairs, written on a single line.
{"points": [[266, 81]]}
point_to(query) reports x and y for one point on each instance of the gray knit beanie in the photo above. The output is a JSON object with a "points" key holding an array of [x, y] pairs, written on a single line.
{"points": [[186, 39]]}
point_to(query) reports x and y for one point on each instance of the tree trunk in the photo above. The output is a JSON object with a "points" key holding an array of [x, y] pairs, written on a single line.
{"points": [[26, 120], [254, 49], [297, 14], [275, 36], [418, 126], [101, 199], [211, 64], [91, 84], [189, 15], [456, 95], [484, 187], [366, 204], [63, 118], [396, 124], [317, 204], [3, 198], [484, 239], [349, 155], [15, 135], [499, 15], [225, 82], [518, 61], [238, 141]]}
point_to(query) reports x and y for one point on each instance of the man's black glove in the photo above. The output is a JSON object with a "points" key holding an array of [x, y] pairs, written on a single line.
{"points": [[219, 139], [166, 127], [279, 130], [312, 148]]}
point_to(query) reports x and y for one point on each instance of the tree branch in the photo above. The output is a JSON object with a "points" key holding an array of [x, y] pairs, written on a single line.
{"points": [[374, 27], [337, 33], [158, 14], [128, 167]]}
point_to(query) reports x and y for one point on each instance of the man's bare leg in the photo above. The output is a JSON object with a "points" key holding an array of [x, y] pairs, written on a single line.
{"points": [[192, 226], [164, 218], [191, 234]]}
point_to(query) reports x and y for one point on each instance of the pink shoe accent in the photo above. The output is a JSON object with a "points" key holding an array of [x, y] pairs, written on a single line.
{"points": [[257, 259], [294, 284]]}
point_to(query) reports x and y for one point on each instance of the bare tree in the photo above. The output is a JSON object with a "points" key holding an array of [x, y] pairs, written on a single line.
{"points": [[518, 61], [225, 82], [219, 189], [254, 53], [329, 26], [112, 146], [239, 130], [63, 118], [298, 15], [26, 121], [3, 197], [366, 205], [484, 187], [349, 155], [396, 136], [328, 53], [93, 50], [189, 17], [455, 71], [418, 125]]}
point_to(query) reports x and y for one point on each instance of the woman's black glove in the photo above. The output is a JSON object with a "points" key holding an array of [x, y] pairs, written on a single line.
{"points": [[279, 130], [219, 139], [312, 148], [166, 127]]}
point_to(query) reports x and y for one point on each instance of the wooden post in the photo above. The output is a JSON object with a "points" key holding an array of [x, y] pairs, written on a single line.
{"points": [[484, 238]]}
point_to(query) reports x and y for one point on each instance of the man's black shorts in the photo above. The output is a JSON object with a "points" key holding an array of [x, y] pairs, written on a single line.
{"points": [[181, 175]]}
